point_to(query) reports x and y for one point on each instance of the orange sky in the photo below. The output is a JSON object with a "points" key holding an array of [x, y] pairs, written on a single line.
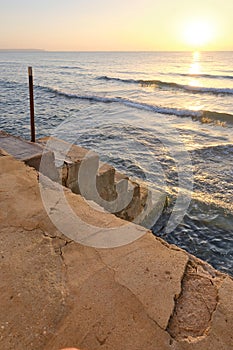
{"points": [[111, 25]]}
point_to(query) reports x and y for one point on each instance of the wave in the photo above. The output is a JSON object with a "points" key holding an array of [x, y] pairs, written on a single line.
{"points": [[6, 84], [203, 75], [202, 115], [71, 67], [171, 85]]}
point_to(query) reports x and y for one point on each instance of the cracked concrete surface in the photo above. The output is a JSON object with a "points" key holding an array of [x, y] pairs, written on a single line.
{"points": [[195, 306], [56, 293]]}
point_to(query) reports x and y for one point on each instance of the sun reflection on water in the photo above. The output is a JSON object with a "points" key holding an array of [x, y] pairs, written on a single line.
{"points": [[195, 69]]}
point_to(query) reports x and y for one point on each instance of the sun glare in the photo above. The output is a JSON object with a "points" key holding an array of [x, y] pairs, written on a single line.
{"points": [[198, 33]]}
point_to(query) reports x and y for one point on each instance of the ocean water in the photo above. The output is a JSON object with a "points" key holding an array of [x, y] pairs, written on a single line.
{"points": [[163, 117]]}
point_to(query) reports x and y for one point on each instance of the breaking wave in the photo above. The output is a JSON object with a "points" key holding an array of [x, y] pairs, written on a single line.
{"points": [[201, 115], [170, 85], [203, 75]]}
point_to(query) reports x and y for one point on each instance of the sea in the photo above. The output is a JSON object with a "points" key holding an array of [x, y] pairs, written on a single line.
{"points": [[165, 118]]}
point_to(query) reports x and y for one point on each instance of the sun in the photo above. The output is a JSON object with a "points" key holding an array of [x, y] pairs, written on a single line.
{"points": [[198, 33]]}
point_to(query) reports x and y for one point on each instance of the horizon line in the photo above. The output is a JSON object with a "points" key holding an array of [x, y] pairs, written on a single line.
{"points": [[45, 50]]}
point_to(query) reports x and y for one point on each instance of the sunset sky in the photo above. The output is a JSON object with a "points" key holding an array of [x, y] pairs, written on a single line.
{"points": [[116, 25]]}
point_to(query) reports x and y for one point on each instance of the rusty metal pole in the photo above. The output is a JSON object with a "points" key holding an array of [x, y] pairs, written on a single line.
{"points": [[30, 78]]}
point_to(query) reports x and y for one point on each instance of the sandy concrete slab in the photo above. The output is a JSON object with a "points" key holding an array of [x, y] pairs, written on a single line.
{"points": [[18, 148], [57, 293]]}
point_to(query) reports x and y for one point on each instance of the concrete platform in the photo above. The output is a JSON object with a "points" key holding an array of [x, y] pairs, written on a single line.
{"points": [[28, 152], [57, 293], [19, 148]]}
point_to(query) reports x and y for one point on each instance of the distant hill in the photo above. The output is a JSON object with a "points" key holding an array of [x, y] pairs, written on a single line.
{"points": [[22, 50]]}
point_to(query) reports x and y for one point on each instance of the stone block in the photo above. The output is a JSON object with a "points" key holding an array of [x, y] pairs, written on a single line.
{"points": [[105, 182]]}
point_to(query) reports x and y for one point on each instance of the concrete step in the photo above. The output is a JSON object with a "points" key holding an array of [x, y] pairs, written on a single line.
{"points": [[70, 158], [100, 182]]}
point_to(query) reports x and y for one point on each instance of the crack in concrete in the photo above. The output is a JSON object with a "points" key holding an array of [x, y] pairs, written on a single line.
{"points": [[128, 289], [143, 306], [53, 208], [61, 253], [177, 296], [90, 332], [47, 235], [65, 178], [101, 341]]}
